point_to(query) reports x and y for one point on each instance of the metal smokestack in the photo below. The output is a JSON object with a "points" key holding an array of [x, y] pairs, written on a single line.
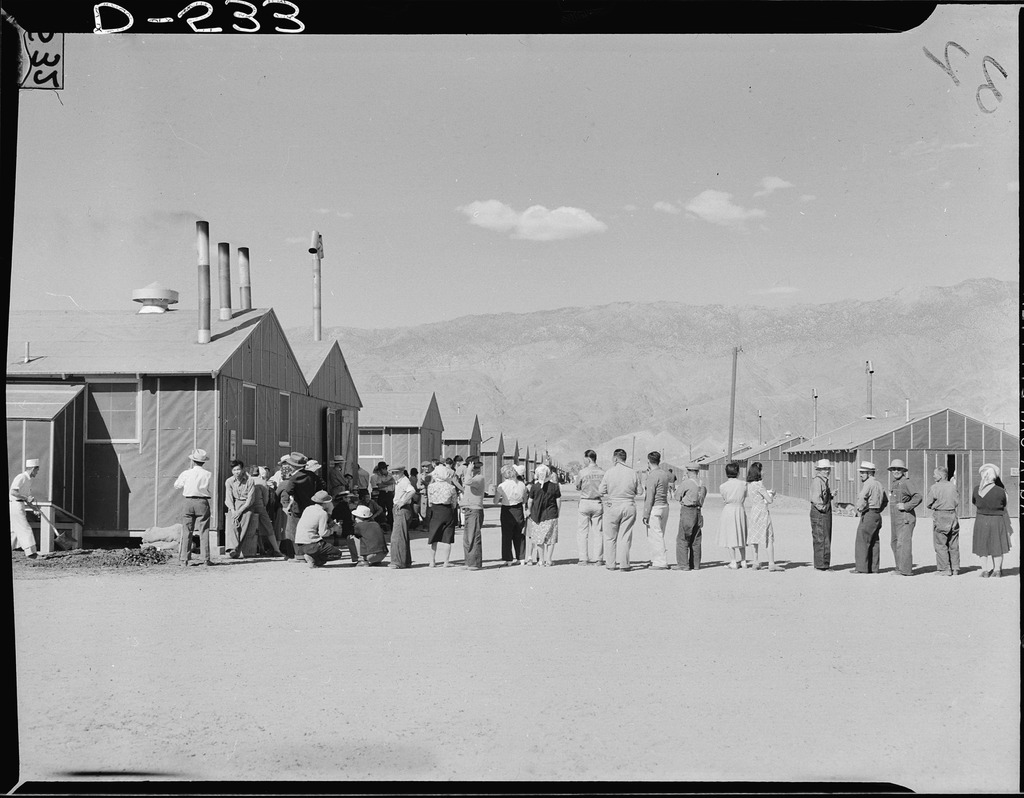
{"points": [[869, 370], [203, 247], [908, 409], [316, 249], [224, 270], [244, 284]]}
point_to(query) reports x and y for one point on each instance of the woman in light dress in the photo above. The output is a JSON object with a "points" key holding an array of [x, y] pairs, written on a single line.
{"points": [[760, 532], [732, 527]]}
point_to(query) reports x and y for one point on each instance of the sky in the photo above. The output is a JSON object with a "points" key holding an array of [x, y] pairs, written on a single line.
{"points": [[456, 175]]}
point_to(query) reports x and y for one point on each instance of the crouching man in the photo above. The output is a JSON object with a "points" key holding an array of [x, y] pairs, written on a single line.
{"points": [[313, 526], [372, 546]]}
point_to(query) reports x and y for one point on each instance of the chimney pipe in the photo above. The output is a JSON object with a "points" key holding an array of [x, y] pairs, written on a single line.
{"points": [[908, 409], [203, 247], [27, 358], [224, 270], [869, 370], [316, 249], [244, 283]]}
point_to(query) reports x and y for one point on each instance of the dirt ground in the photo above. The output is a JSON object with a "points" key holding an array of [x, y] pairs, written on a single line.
{"points": [[267, 670]]}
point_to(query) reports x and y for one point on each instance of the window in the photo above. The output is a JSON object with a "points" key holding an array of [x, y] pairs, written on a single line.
{"points": [[283, 419], [249, 415], [803, 468], [113, 412], [371, 443], [850, 471], [795, 472]]}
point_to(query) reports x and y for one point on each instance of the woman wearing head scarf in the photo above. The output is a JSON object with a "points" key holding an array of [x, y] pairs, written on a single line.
{"points": [[760, 528], [442, 495], [732, 528], [545, 501], [992, 524]]}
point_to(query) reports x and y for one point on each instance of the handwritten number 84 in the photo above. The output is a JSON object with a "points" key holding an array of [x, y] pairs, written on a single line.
{"points": [[988, 85]]}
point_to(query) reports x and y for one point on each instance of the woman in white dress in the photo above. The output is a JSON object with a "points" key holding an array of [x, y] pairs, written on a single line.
{"points": [[760, 532], [732, 527]]}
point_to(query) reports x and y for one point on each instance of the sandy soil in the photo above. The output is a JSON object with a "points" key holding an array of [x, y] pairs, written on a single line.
{"points": [[264, 670]]}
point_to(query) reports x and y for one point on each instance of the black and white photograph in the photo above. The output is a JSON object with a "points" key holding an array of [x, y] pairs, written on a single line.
{"points": [[299, 300]]}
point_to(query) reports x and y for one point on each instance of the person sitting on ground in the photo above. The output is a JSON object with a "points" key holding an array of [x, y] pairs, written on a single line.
{"points": [[313, 526], [345, 524], [372, 545]]}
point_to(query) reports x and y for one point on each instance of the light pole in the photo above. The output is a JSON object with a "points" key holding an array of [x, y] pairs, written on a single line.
{"points": [[760, 440]]}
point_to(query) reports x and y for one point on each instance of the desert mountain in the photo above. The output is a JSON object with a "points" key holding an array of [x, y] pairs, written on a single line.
{"points": [[574, 378]]}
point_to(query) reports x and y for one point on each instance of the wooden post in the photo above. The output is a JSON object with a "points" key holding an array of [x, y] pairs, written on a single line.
{"points": [[732, 402]]}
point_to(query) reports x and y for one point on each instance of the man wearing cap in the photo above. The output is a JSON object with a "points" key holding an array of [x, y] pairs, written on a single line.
{"points": [[296, 494], [312, 527], [943, 501], [619, 488], [688, 538], [656, 511], [473, 506], [821, 515], [589, 537], [21, 531], [902, 501], [194, 483], [870, 502], [334, 479], [314, 468], [404, 494]]}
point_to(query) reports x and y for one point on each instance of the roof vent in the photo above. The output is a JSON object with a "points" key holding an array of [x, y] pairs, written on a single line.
{"points": [[154, 298]]}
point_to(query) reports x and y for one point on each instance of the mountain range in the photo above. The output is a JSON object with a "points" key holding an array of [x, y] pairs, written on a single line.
{"points": [[657, 375]]}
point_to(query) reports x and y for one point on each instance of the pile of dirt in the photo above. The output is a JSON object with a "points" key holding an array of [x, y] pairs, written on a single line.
{"points": [[99, 558]]}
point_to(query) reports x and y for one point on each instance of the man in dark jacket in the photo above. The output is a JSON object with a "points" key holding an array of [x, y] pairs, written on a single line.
{"points": [[296, 494]]}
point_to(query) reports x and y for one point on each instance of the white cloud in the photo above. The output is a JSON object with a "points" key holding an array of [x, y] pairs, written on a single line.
{"points": [[536, 223], [667, 207], [1014, 186], [934, 147], [717, 207], [770, 184], [807, 197]]}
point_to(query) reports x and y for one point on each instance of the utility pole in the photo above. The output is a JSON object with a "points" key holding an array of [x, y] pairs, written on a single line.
{"points": [[814, 396], [632, 453], [760, 440], [732, 400], [869, 370]]}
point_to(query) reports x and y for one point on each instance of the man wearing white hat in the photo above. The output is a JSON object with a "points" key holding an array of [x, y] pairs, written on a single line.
{"points": [[903, 498], [312, 527], [402, 499], [194, 483], [821, 514], [870, 502], [21, 531], [691, 494]]}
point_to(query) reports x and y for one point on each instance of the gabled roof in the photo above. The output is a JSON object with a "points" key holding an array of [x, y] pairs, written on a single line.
{"points": [[39, 402], [123, 341], [460, 426], [312, 357], [857, 433], [752, 452], [395, 409], [497, 441]]}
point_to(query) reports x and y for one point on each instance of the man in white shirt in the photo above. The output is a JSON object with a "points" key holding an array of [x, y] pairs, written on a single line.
{"points": [[589, 539], [195, 487], [656, 510], [619, 489], [312, 527], [21, 531]]}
